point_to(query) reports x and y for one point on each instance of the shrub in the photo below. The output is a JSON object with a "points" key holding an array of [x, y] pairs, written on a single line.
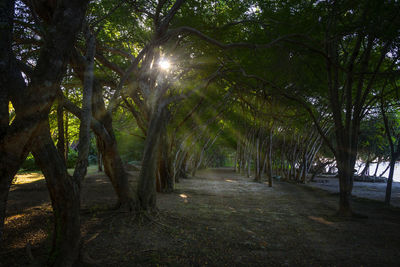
{"points": [[29, 164], [72, 157]]}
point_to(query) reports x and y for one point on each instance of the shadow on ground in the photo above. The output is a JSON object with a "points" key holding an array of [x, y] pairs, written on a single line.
{"points": [[218, 218]]}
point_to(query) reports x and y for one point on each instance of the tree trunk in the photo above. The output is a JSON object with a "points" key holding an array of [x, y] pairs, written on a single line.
{"points": [[241, 157], [115, 170], [365, 171], [166, 179], [270, 160], [304, 170], [112, 162], [257, 164], [377, 166], [345, 170], [385, 170], [99, 156], [113, 165], [390, 180], [65, 199], [164, 167], [84, 128], [147, 180], [194, 163], [32, 103], [9, 166], [235, 163]]}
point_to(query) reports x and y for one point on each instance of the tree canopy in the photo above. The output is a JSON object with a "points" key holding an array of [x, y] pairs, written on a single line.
{"points": [[275, 89]]}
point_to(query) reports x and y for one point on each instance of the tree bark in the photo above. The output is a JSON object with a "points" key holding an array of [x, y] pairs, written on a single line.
{"points": [[385, 170], [99, 156], [388, 194], [112, 162], [365, 171], [164, 166], [32, 103], [257, 167], [345, 171], [84, 128], [65, 199], [236, 158], [269, 158], [147, 180], [377, 166]]}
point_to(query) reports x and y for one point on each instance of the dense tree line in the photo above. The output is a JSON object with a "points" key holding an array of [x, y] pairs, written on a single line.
{"points": [[288, 87]]}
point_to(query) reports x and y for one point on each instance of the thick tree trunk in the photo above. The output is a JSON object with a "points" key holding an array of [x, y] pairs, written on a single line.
{"points": [[166, 179], [114, 166], [32, 103], [147, 180], [4, 189], [84, 128], [65, 199], [167, 183], [345, 170], [115, 170], [9, 165], [112, 162]]}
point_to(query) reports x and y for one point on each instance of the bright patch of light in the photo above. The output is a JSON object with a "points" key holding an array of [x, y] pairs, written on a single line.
{"points": [[164, 64]]}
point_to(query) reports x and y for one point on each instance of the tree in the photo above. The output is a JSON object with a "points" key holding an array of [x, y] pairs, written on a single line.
{"points": [[353, 55], [29, 129], [391, 123]]}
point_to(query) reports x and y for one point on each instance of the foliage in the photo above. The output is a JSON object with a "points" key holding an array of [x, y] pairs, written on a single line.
{"points": [[29, 164], [291, 69]]}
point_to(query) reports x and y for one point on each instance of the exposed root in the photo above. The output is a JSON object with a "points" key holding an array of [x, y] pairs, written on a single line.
{"points": [[128, 206], [144, 218], [156, 219]]}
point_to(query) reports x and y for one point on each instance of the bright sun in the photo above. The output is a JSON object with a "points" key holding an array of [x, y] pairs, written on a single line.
{"points": [[164, 64]]}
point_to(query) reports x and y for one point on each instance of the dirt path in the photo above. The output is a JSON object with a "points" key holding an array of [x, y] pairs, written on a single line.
{"points": [[218, 218]]}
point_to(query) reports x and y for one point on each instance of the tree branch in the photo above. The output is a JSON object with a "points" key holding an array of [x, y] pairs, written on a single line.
{"points": [[317, 125], [186, 29]]}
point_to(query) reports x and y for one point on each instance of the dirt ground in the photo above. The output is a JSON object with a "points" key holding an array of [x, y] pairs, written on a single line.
{"points": [[375, 191], [218, 218]]}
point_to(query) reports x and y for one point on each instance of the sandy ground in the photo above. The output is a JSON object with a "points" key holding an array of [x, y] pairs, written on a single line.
{"points": [[218, 218], [374, 191]]}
